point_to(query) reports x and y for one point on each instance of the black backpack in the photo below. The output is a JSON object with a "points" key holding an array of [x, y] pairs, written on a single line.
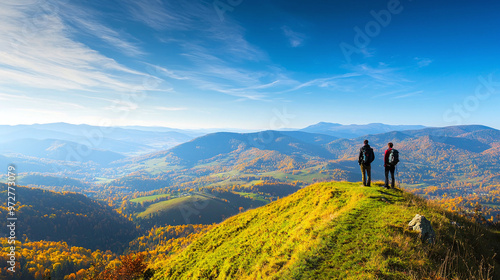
{"points": [[393, 157], [368, 155]]}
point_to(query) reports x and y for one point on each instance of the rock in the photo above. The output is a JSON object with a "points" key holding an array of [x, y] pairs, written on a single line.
{"points": [[455, 224], [424, 227]]}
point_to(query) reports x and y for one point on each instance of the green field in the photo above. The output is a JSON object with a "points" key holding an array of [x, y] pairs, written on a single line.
{"points": [[193, 209], [253, 196], [149, 198], [197, 208], [169, 204], [307, 176], [155, 166], [102, 180]]}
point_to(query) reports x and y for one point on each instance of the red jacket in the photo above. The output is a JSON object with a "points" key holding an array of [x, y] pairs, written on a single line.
{"points": [[386, 156]]}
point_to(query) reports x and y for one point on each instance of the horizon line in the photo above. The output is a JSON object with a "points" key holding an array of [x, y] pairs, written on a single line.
{"points": [[131, 126]]}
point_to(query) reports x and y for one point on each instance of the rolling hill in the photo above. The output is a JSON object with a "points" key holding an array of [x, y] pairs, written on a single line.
{"points": [[236, 153], [50, 181], [285, 143], [190, 208], [337, 231]]}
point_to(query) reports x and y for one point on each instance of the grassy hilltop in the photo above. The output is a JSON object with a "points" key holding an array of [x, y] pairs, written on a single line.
{"points": [[338, 231]]}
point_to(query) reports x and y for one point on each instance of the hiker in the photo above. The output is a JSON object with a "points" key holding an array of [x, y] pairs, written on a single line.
{"points": [[391, 158], [366, 157]]}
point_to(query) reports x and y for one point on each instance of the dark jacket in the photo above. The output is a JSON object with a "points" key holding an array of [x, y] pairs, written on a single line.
{"points": [[361, 151]]}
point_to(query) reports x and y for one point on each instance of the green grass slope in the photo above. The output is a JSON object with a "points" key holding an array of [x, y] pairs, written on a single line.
{"points": [[192, 209], [337, 231], [150, 198], [171, 205]]}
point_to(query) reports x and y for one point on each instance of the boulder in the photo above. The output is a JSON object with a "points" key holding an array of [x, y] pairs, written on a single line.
{"points": [[424, 227]]}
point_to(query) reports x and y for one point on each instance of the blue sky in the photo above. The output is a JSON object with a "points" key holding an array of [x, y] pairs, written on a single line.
{"points": [[249, 64]]}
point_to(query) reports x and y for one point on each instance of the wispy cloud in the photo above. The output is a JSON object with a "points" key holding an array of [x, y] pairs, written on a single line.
{"points": [[410, 94], [423, 62], [40, 52], [389, 93], [85, 21], [217, 55], [162, 71], [367, 52], [35, 100], [199, 25], [381, 74], [332, 81], [159, 15], [359, 78], [162, 108], [296, 39], [212, 71], [214, 51]]}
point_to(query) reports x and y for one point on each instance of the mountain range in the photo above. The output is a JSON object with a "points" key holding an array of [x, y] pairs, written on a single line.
{"points": [[68, 149], [41, 140], [125, 141], [428, 154]]}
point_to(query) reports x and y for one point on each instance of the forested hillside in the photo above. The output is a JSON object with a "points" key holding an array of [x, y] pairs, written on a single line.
{"points": [[69, 217], [38, 260]]}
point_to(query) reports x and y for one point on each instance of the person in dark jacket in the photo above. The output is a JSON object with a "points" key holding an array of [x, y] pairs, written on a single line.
{"points": [[366, 157], [388, 167]]}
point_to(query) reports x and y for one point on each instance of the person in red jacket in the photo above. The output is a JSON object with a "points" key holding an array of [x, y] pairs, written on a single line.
{"points": [[388, 167]]}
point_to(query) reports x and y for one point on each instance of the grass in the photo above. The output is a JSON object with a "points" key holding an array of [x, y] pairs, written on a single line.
{"points": [[155, 166], [415, 186], [306, 175], [102, 180], [168, 205], [149, 198], [337, 231], [253, 196], [197, 208]]}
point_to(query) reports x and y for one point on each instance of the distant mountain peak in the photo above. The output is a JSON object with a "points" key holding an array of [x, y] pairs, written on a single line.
{"points": [[322, 124], [356, 130]]}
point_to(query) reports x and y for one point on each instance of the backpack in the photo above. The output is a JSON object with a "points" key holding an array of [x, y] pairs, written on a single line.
{"points": [[368, 155], [393, 157]]}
